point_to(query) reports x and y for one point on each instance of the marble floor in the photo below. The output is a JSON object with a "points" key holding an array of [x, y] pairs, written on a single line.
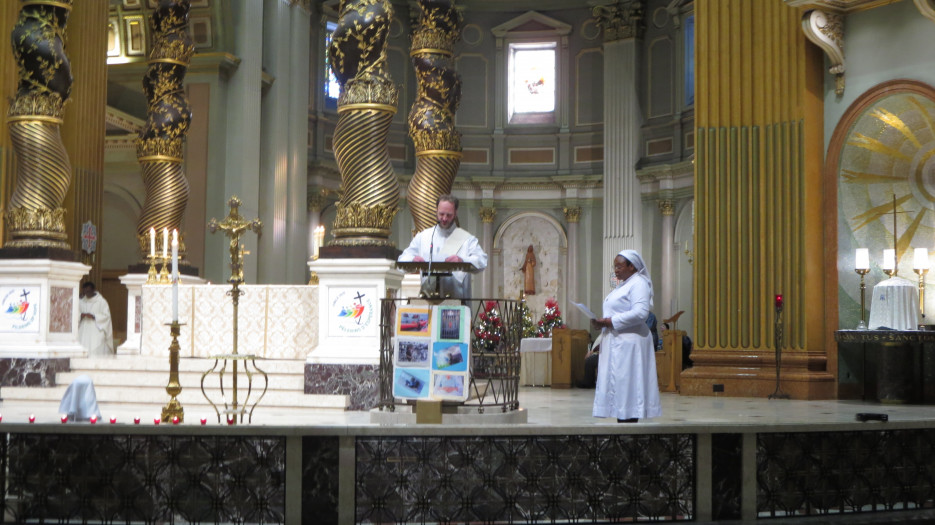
{"points": [[552, 411]]}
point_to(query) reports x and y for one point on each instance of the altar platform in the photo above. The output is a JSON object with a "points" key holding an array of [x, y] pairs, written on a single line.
{"points": [[706, 459]]}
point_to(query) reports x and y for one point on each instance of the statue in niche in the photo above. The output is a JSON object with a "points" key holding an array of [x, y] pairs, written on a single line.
{"points": [[528, 268]]}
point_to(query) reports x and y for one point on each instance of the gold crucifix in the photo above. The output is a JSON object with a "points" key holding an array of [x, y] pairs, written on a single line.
{"points": [[234, 226]]}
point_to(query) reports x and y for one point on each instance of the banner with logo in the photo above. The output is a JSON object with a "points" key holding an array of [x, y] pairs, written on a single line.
{"points": [[352, 311], [19, 309]]}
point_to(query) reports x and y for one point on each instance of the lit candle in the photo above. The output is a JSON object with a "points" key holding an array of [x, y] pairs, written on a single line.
{"points": [[113, 420], [165, 243], [136, 420], [230, 420], [779, 301], [175, 420], [156, 420], [64, 418], [1, 417], [175, 276], [889, 259], [152, 242], [862, 259], [32, 418], [204, 421], [320, 236], [920, 259], [93, 420]]}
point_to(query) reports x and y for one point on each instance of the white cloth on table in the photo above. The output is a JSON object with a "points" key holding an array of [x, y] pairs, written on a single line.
{"points": [[535, 344], [431, 244], [535, 361], [96, 335], [80, 401], [627, 386], [895, 304]]}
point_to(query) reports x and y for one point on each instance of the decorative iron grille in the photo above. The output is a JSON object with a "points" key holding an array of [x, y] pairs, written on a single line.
{"points": [[494, 373], [536, 479], [122, 479], [802, 474]]}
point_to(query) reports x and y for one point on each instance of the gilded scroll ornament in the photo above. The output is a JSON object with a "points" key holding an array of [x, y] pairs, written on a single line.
{"points": [[431, 119], [35, 217], [620, 21], [160, 142], [826, 30], [370, 190], [487, 214]]}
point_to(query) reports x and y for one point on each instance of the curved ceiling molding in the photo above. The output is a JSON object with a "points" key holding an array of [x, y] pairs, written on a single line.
{"points": [[927, 8], [826, 30]]}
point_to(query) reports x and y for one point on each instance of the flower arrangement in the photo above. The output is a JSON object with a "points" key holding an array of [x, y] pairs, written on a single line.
{"points": [[551, 319], [488, 329]]}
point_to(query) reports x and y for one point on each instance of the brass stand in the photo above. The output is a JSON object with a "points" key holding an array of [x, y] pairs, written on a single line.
{"points": [[151, 277], [921, 273], [173, 408], [863, 294], [164, 273], [234, 226], [778, 393], [890, 272]]}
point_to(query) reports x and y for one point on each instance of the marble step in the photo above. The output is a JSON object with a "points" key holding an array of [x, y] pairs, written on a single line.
{"points": [[191, 364], [116, 395], [152, 378]]}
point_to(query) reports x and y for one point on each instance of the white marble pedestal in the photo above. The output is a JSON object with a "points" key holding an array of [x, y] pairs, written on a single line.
{"points": [[346, 360], [39, 311], [134, 283]]}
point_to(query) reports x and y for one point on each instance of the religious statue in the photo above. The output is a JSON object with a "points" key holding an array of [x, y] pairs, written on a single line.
{"points": [[528, 268]]}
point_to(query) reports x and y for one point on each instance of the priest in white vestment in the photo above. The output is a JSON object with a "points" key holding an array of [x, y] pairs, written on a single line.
{"points": [[449, 243], [95, 330], [627, 386]]}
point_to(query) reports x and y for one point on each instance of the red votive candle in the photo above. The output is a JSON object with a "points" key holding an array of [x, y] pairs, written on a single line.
{"points": [[175, 420], [779, 301], [113, 420], [64, 418], [230, 420], [93, 420], [32, 418], [156, 420], [204, 421], [136, 421]]}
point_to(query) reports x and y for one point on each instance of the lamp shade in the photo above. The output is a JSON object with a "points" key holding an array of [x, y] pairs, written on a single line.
{"points": [[920, 259], [862, 259], [889, 259]]}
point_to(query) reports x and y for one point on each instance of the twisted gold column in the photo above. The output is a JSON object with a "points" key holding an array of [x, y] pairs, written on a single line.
{"points": [[431, 120], [370, 189], [35, 217], [159, 146]]}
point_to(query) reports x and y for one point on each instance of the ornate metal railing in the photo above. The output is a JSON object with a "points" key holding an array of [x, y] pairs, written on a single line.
{"points": [[494, 367]]}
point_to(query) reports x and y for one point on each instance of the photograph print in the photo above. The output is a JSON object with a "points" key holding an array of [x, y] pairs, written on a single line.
{"points": [[411, 383], [450, 320], [414, 322], [412, 352], [449, 386], [450, 357]]}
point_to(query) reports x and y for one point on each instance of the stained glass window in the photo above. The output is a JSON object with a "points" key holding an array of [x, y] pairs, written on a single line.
{"points": [[332, 86], [532, 78]]}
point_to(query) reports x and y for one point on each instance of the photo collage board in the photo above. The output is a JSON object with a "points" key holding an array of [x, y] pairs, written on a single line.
{"points": [[432, 354]]}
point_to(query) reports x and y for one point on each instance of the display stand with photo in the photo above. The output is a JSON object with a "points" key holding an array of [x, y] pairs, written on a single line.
{"points": [[432, 352]]}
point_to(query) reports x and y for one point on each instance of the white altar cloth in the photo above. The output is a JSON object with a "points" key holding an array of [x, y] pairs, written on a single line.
{"points": [[275, 321], [895, 304], [535, 366]]}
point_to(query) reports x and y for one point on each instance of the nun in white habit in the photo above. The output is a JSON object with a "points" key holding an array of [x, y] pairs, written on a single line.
{"points": [[627, 388]]}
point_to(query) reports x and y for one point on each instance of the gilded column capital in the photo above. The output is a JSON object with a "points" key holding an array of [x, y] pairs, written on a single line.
{"points": [[572, 214], [826, 30], [927, 8], [666, 206], [316, 202], [620, 21], [487, 214]]}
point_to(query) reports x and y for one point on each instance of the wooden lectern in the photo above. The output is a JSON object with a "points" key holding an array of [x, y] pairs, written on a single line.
{"points": [[432, 273], [568, 350], [669, 361]]}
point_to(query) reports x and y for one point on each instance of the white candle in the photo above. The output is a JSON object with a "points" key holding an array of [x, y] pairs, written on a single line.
{"points": [[175, 276], [862, 259], [152, 242], [165, 242], [889, 259], [920, 260]]}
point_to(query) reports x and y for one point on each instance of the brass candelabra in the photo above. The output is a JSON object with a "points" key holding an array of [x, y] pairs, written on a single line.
{"points": [[173, 408], [164, 273], [863, 297], [921, 273], [152, 276]]}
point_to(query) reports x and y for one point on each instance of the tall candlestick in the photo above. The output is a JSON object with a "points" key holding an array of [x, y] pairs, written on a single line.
{"points": [[862, 259], [920, 259], [175, 276], [889, 262], [165, 243], [152, 242]]}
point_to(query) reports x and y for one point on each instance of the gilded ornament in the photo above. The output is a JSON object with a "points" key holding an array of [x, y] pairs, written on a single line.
{"points": [[666, 207], [35, 217], [487, 214], [572, 214], [826, 30], [620, 21]]}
